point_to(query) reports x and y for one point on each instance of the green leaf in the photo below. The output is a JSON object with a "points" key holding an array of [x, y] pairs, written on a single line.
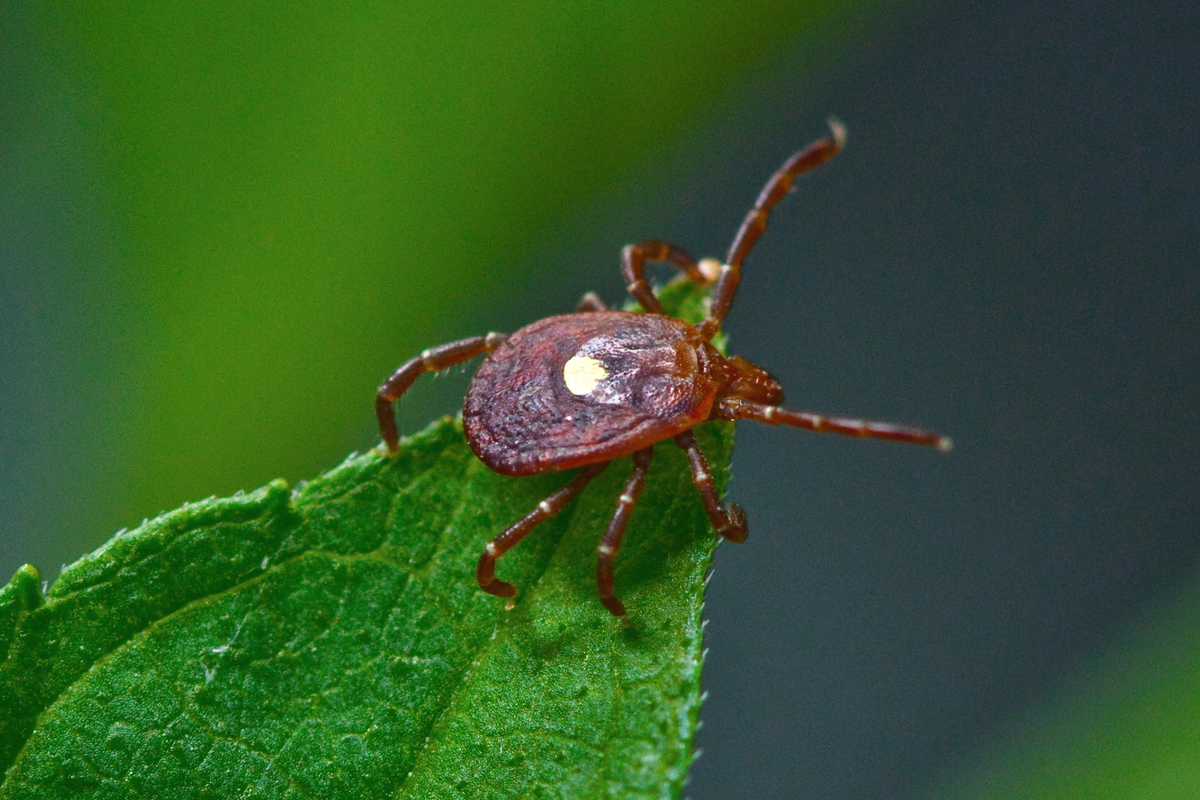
{"points": [[330, 641]]}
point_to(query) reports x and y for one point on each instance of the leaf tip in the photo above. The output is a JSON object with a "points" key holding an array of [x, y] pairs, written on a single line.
{"points": [[24, 590]]}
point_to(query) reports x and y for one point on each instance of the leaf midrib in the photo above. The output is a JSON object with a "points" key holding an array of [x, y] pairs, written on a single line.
{"points": [[502, 634]]}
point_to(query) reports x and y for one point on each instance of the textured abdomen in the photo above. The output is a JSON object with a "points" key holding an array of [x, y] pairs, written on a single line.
{"points": [[581, 388]]}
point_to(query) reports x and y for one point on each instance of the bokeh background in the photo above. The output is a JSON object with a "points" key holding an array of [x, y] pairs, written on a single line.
{"points": [[221, 224]]}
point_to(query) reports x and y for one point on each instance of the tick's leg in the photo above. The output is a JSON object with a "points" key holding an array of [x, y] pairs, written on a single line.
{"points": [[755, 223], [633, 261], [611, 542], [485, 573], [429, 361], [591, 302], [729, 521], [733, 409]]}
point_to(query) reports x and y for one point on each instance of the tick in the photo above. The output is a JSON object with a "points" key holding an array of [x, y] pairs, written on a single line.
{"points": [[583, 389]]}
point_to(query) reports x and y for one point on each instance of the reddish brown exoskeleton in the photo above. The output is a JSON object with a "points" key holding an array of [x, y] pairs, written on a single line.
{"points": [[582, 389]]}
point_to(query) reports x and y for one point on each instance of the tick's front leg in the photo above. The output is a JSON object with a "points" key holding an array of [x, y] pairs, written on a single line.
{"points": [[732, 408], [633, 262], [429, 361]]}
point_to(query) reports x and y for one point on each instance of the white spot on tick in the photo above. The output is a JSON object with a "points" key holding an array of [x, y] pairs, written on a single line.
{"points": [[581, 374]]}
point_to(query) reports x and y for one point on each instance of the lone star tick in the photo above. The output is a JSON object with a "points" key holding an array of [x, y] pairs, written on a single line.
{"points": [[582, 389]]}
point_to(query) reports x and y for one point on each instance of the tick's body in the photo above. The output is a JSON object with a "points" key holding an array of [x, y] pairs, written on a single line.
{"points": [[583, 388], [580, 390]]}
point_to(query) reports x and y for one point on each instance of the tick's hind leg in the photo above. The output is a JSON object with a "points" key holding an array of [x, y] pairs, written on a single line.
{"points": [[633, 262], [729, 521], [446, 355], [485, 573], [732, 408], [611, 542]]}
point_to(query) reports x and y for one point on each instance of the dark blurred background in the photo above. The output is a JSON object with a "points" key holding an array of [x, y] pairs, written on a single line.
{"points": [[221, 226]]}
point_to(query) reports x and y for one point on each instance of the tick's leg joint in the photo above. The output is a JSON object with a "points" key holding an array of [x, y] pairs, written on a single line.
{"points": [[485, 571], [732, 408], [633, 263], [778, 186], [429, 360], [735, 529], [611, 543], [591, 302], [728, 521]]}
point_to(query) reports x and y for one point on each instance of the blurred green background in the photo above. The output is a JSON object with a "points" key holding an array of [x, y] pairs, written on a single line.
{"points": [[222, 224], [245, 215]]}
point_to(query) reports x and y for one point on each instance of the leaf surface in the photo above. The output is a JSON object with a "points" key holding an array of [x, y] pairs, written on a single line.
{"points": [[330, 641]]}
